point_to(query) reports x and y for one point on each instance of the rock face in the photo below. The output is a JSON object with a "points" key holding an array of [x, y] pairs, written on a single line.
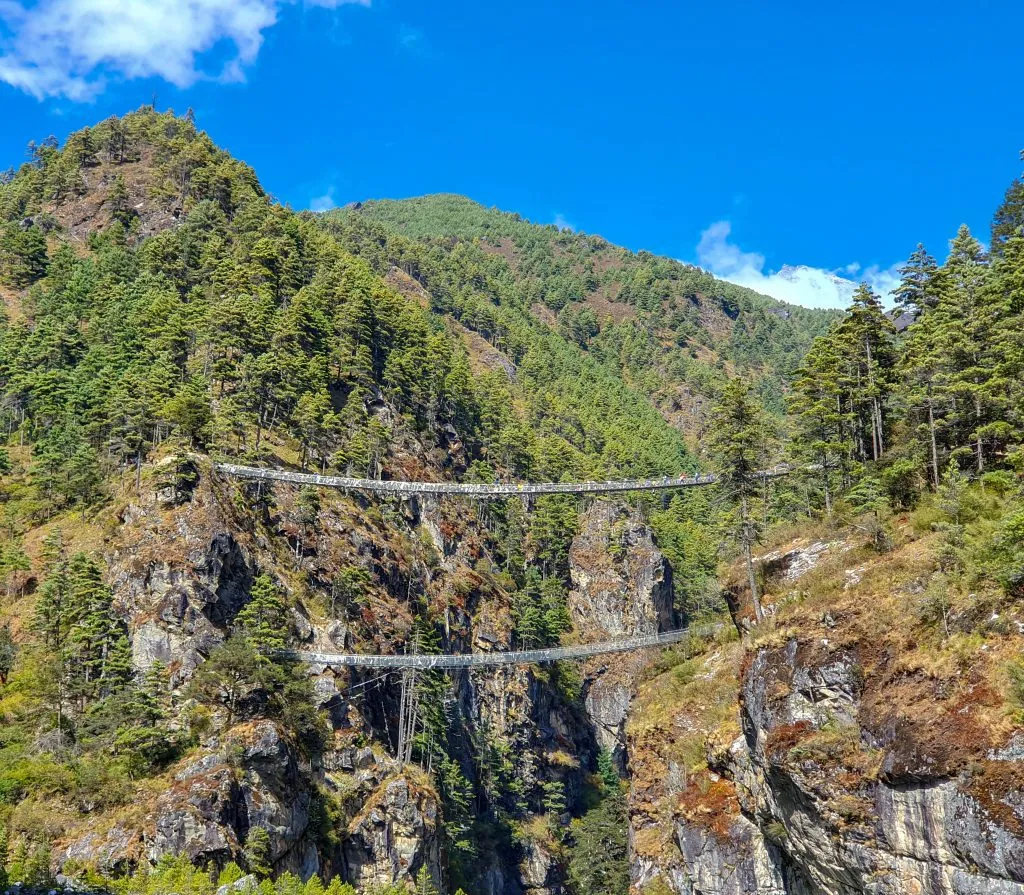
{"points": [[621, 586], [216, 800], [178, 588], [918, 827], [823, 793], [395, 834]]}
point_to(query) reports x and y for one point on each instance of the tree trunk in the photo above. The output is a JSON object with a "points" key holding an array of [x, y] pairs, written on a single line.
{"points": [[977, 418], [881, 433], [935, 449], [748, 555]]}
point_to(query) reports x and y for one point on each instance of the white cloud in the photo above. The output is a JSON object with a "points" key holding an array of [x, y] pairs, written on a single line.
{"points": [[561, 223], [71, 47], [323, 203], [812, 287]]}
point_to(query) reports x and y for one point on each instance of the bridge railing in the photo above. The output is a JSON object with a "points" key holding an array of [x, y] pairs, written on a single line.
{"points": [[482, 491], [478, 660]]}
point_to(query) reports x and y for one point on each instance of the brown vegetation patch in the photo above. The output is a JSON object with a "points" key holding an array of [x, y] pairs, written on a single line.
{"points": [[81, 215], [502, 246], [998, 786], [10, 298], [544, 314], [710, 802], [407, 287], [786, 736], [605, 306]]}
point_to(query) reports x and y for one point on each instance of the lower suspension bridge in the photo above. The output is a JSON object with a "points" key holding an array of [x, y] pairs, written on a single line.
{"points": [[426, 662]]}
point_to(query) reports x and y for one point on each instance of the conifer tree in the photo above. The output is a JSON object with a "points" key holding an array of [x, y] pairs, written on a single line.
{"points": [[55, 612], [821, 421], [866, 339], [98, 653], [262, 620], [916, 291], [1009, 217], [738, 445], [920, 367], [964, 321]]}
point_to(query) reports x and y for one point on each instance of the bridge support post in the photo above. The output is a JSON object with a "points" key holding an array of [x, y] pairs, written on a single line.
{"points": [[407, 716]]}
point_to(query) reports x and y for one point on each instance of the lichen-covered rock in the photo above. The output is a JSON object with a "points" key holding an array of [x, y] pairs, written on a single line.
{"points": [[621, 582], [621, 586], [395, 834], [539, 871], [201, 815], [177, 585], [922, 827], [218, 797]]}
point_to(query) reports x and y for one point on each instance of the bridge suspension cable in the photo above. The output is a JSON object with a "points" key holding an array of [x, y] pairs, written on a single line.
{"points": [[481, 491], [481, 660]]}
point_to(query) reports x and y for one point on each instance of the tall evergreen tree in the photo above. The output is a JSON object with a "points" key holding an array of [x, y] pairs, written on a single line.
{"points": [[1009, 217], [821, 421], [964, 322], [916, 291], [738, 445], [262, 620], [866, 338]]}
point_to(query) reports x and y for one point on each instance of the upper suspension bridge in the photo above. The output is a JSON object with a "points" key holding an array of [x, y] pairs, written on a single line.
{"points": [[426, 662], [485, 491]]}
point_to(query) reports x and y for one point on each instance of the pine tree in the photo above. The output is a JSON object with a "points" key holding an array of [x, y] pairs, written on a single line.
{"points": [[821, 421], [1009, 218], [916, 291], [98, 657], [964, 321], [921, 363], [257, 852], [55, 613], [424, 882], [738, 445], [866, 339], [262, 621]]}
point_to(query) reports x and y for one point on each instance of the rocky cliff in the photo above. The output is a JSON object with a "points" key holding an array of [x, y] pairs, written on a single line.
{"points": [[181, 567], [844, 750]]}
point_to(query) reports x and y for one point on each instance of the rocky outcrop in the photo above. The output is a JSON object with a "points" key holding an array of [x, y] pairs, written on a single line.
{"points": [[179, 584], [395, 834], [826, 792], [621, 586], [621, 582], [814, 768], [218, 797]]}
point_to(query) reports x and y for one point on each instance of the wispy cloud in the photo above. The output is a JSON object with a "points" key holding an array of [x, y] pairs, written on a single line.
{"points": [[561, 223], [413, 41], [812, 287], [323, 203], [71, 48]]}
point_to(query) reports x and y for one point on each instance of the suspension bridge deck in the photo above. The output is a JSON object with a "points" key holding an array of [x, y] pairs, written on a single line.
{"points": [[480, 491], [482, 660]]}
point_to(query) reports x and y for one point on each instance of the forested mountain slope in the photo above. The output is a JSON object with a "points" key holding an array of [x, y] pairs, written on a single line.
{"points": [[670, 329], [845, 718], [160, 309]]}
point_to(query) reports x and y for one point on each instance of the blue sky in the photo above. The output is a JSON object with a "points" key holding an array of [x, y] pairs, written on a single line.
{"points": [[746, 136]]}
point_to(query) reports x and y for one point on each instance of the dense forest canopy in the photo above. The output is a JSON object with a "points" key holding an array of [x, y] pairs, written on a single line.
{"points": [[657, 322]]}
